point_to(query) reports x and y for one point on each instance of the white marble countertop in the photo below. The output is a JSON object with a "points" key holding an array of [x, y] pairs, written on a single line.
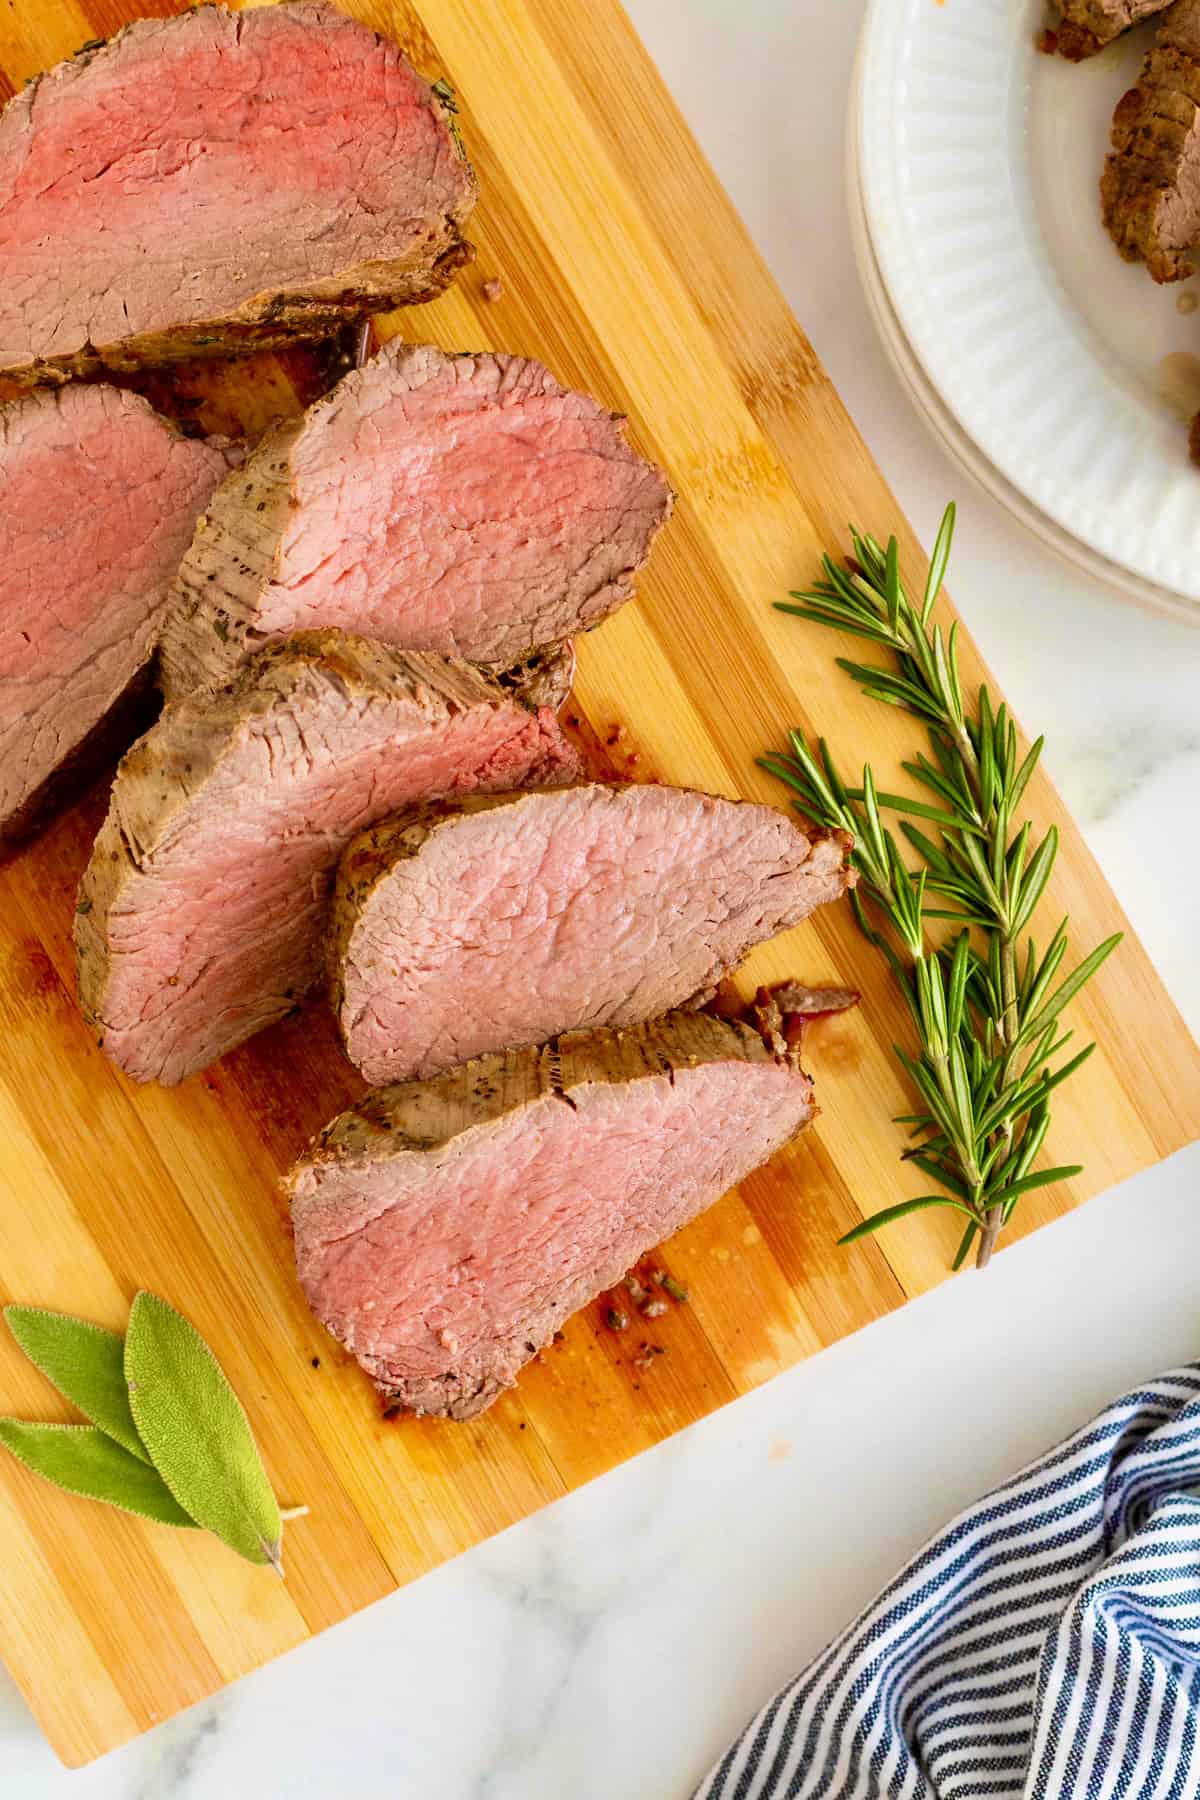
{"points": [[614, 1643]]}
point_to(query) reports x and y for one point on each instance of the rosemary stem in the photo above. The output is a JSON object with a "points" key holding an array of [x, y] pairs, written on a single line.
{"points": [[966, 749], [992, 1221], [1009, 1023], [1008, 993]]}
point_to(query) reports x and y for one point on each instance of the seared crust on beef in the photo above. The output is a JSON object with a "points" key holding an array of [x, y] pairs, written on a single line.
{"points": [[268, 321]]}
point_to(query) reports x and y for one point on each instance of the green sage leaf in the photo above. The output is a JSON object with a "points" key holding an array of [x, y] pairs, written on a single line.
{"points": [[86, 1363], [196, 1431], [85, 1460]]}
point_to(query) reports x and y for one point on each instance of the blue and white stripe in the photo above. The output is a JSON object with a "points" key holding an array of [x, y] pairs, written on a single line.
{"points": [[1046, 1645]]}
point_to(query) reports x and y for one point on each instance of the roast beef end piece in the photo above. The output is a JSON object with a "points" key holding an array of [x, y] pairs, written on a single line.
{"points": [[595, 905], [224, 136], [792, 997], [1086, 26], [1074, 42], [782, 1012], [446, 1229], [204, 906], [466, 505], [1194, 441], [98, 499], [1150, 189]]}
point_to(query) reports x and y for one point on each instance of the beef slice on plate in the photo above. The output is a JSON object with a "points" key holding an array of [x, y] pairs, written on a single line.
{"points": [[202, 911], [221, 181], [98, 500], [550, 912], [445, 1229], [463, 504], [1150, 190]]}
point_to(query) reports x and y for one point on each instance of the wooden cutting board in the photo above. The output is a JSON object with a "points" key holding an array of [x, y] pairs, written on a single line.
{"points": [[625, 268]]}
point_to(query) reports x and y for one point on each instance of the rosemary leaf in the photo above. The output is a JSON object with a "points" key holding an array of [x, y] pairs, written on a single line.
{"points": [[1034, 884], [1070, 987], [1050, 1082], [900, 803], [1021, 780], [905, 1207], [1043, 1178], [832, 616], [937, 563], [960, 1255], [940, 1172]]}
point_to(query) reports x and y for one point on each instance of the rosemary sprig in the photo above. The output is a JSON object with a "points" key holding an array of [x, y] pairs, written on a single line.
{"points": [[984, 1001]]}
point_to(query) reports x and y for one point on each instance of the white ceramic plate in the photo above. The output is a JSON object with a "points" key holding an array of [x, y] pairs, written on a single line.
{"points": [[979, 161], [951, 433]]}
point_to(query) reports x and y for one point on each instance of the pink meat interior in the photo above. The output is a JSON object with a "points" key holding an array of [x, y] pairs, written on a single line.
{"points": [[221, 932], [278, 146], [459, 1260], [98, 500], [480, 511], [565, 911]]}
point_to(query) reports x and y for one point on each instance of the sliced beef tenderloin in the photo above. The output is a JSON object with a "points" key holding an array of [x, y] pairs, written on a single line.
{"points": [[446, 1229], [1150, 189], [201, 914], [463, 504], [1087, 25], [593, 905], [98, 500], [217, 182]]}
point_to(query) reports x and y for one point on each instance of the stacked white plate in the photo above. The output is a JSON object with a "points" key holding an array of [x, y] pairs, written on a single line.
{"points": [[1061, 377]]}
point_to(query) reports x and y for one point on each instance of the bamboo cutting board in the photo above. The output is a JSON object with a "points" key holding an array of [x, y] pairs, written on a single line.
{"points": [[624, 267]]}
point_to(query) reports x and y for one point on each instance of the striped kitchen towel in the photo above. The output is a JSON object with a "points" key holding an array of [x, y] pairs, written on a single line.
{"points": [[1046, 1646]]}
